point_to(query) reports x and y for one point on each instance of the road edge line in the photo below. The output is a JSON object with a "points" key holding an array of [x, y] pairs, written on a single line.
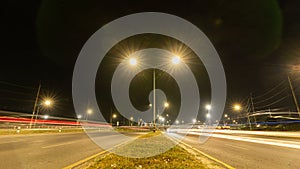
{"points": [[95, 155], [84, 160], [204, 154]]}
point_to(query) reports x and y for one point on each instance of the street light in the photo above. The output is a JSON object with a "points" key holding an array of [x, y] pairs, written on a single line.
{"points": [[208, 108], [131, 120], [46, 116], [194, 120], [133, 61], [237, 107], [47, 103], [88, 111], [79, 116], [175, 60]]}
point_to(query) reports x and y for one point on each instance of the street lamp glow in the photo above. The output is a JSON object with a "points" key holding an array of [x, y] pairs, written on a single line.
{"points": [[79, 116], [132, 61], [237, 107], [225, 115], [177, 121], [176, 60], [194, 120], [89, 111], [166, 104], [208, 115], [48, 102], [208, 107], [46, 117], [150, 105], [114, 116]]}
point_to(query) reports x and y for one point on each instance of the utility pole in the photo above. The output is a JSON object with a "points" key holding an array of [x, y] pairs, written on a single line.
{"points": [[294, 96], [253, 109], [35, 103], [252, 105]]}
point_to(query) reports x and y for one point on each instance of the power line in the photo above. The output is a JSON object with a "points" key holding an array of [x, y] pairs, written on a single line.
{"points": [[273, 96], [269, 91], [277, 101], [16, 85]]}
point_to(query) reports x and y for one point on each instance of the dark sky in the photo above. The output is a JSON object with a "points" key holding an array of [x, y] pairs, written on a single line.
{"points": [[257, 42]]}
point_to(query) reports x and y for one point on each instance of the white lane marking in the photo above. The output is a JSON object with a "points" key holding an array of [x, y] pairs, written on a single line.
{"points": [[61, 144], [273, 142], [234, 146]]}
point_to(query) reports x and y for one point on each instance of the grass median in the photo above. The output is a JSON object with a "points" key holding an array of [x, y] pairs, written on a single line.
{"points": [[175, 157]]}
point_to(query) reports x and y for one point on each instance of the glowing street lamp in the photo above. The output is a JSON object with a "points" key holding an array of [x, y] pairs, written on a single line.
{"points": [[237, 107], [132, 61], [175, 60], [130, 121], [88, 112], [194, 120], [79, 116], [47, 102], [46, 116], [208, 107]]}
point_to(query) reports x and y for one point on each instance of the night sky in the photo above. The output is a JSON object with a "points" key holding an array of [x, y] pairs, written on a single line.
{"points": [[258, 42]]}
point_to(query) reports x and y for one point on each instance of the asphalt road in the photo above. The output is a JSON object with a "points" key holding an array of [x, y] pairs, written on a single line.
{"points": [[249, 151], [48, 150], [60, 150]]}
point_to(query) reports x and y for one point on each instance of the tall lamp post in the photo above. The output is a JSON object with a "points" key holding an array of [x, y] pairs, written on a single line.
{"points": [[237, 108], [113, 117], [46, 103], [175, 60], [208, 108], [88, 112]]}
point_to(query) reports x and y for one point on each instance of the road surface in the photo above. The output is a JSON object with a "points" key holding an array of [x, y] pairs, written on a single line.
{"points": [[248, 150], [48, 150]]}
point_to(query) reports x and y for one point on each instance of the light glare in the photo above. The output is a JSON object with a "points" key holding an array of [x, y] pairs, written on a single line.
{"points": [[47, 102], [132, 61], [237, 107], [176, 60], [208, 107]]}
